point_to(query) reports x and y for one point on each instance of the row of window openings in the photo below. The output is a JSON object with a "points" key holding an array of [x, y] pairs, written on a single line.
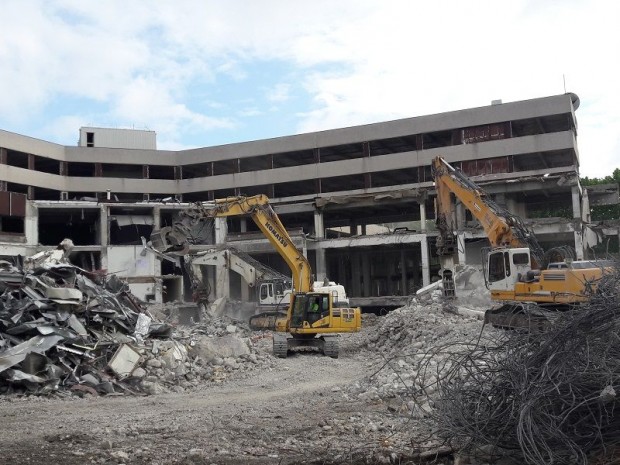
{"points": [[222, 167]]}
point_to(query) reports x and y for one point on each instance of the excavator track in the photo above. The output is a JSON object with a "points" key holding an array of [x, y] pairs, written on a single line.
{"points": [[280, 345], [522, 316], [331, 346]]}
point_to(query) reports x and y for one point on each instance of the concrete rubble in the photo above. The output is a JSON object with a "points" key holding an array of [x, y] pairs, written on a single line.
{"points": [[66, 330]]}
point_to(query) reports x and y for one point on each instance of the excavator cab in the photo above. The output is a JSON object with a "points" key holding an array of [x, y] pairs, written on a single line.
{"points": [[505, 267]]}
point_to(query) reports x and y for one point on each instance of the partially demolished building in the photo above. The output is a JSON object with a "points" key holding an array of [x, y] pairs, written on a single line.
{"points": [[357, 200]]}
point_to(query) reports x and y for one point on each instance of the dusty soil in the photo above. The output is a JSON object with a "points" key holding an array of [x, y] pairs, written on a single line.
{"points": [[278, 416]]}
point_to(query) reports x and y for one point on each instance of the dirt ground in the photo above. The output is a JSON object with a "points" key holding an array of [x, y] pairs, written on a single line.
{"points": [[297, 412]]}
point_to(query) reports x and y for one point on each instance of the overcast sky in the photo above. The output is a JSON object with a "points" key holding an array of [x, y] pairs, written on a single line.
{"points": [[203, 73]]}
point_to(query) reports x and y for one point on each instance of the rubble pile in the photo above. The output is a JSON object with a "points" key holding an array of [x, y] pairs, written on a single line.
{"points": [[409, 351], [195, 356], [61, 328], [65, 329]]}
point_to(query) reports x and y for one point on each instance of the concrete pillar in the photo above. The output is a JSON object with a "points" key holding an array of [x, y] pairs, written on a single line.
{"points": [[367, 291], [576, 202], [319, 227], [500, 199], [460, 216], [353, 228], [221, 279], [104, 229], [156, 217], [31, 224], [585, 207], [422, 216], [244, 224], [579, 244], [221, 230], [426, 273], [460, 245], [320, 270]]}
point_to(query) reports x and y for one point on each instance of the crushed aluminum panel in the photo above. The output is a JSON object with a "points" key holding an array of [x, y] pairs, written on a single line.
{"points": [[65, 294], [124, 361], [77, 326], [142, 326], [17, 375], [17, 354]]}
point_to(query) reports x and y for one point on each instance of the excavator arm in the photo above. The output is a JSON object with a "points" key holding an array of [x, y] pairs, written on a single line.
{"points": [[501, 227]]}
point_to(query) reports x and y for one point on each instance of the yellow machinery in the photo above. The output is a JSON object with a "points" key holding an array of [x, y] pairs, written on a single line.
{"points": [[517, 271], [313, 319]]}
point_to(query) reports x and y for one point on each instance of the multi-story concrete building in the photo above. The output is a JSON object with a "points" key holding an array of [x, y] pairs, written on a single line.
{"points": [[357, 200]]}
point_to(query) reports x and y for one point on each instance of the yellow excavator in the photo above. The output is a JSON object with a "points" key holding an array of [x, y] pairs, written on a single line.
{"points": [[517, 270], [313, 319]]}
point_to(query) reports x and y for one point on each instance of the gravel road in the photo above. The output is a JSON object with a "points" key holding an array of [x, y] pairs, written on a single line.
{"points": [[266, 417]]}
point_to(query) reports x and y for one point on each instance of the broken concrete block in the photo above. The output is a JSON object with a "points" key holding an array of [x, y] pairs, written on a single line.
{"points": [[175, 356], [209, 348], [124, 361]]}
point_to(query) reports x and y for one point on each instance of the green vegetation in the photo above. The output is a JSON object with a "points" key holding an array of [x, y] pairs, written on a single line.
{"points": [[604, 212], [614, 178]]}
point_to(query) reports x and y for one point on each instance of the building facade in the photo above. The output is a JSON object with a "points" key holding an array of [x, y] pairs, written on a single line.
{"points": [[358, 200]]}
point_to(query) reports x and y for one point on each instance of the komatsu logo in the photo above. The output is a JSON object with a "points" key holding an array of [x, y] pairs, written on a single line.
{"points": [[276, 234]]}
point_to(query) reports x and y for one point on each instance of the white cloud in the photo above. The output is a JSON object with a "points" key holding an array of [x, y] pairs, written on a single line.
{"points": [[165, 64]]}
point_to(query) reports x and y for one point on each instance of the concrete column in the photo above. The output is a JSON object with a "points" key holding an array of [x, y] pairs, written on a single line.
{"points": [[156, 217], [157, 225], [353, 228], [221, 230], [426, 273], [460, 216], [222, 279], [319, 227], [423, 216], [460, 245], [585, 207], [244, 224], [579, 244], [104, 228], [320, 270], [513, 207], [31, 224], [576, 202], [500, 199]]}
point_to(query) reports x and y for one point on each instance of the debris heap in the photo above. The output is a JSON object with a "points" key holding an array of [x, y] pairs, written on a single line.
{"points": [[64, 328], [552, 397]]}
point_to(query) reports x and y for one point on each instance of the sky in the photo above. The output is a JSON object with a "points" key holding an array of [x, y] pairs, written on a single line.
{"points": [[209, 72]]}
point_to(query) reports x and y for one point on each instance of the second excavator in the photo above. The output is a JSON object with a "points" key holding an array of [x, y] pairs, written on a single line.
{"points": [[517, 270]]}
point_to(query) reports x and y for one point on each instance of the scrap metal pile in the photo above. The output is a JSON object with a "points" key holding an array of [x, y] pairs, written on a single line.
{"points": [[63, 329], [544, 398]]}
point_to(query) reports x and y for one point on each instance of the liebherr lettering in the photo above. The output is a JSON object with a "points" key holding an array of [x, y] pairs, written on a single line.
{"points": [[276, 234]]}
